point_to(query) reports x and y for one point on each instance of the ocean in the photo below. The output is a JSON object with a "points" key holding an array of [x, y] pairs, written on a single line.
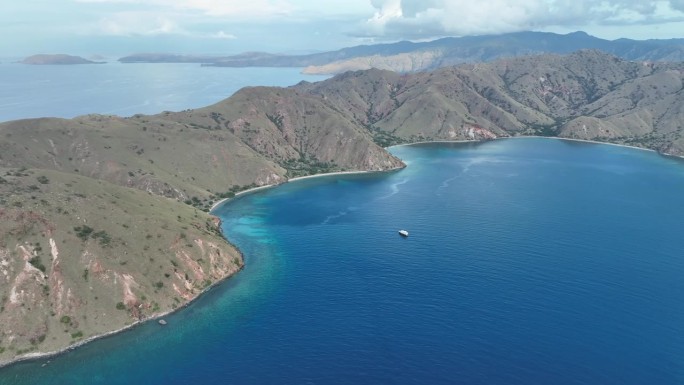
{"points": [[66, 91], [529, 261]]}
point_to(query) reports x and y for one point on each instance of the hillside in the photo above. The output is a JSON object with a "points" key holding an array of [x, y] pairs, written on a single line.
{"points": [[586, 95], [80, 257], [104, 218]]}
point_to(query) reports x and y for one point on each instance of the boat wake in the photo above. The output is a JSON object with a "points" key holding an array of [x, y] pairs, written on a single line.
{"points": [[340, 214], [480, 160], [446, 183], [333, 217], [394, 189]]}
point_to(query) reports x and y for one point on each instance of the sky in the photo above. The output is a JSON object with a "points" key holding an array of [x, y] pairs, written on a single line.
{"points": [[121, 27]]}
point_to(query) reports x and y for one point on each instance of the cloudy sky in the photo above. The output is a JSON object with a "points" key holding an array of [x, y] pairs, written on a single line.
{"points": [[119, 27]]}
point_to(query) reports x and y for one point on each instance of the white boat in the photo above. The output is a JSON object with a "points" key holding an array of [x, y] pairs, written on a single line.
{"points": [[403, 233]]}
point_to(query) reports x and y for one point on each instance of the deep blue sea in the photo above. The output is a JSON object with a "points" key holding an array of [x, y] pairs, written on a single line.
{"points": [[65, 91], [529, 261]]}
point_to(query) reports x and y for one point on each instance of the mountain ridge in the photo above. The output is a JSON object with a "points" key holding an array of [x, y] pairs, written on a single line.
{"points": [[406, 56]]}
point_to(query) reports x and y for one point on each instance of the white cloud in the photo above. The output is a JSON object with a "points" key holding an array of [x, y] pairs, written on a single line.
{"points": [[430, 18], [210, 19], [145, 24], [223, 35], [257, 9], [242, 8], [251, 9], [315, 24], [677, 4], [136, 24]]}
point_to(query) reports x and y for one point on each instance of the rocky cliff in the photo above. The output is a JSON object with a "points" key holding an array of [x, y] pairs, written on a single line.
{"points": [[80, 257]]}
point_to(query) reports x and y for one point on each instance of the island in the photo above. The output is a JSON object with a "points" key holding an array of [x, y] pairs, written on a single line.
{"points": [[57, 59], [105, 221], [407, 57]]}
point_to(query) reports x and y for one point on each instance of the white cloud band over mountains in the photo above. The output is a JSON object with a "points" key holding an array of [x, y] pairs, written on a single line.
{"points": [[430, 18], [401, 18], [292, 25]]}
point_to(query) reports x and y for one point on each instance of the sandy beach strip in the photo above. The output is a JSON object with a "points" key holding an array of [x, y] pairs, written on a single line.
{"points": [[542, 137], [255, 189]]}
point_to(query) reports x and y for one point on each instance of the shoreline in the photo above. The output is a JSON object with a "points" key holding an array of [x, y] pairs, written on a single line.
{"points": [[598, 142], [248, 191], [219, 203], [527, 137], [589, 141], [541, 137], [35, 356]]}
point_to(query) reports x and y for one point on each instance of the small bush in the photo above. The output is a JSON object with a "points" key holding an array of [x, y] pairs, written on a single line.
{"points": [[120, 305], [43, 179], [105, 239], [83, 232], [37, 263]]}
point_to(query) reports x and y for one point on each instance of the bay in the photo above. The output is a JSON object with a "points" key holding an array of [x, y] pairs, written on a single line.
{"points": [[529, 261], [66, 91]]}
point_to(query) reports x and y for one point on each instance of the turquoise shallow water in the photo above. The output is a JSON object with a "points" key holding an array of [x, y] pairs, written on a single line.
{"points": [[530, 261]]}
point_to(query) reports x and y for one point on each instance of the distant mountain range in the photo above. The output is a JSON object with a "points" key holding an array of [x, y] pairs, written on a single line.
{"points": [[412, 57]]}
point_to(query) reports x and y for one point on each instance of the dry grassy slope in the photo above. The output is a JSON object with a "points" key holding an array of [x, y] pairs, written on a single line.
{"points": [[286, 125], [60, 284], [365, 97], [151, 153], [585, 95], [403, 62], [93, 234]]}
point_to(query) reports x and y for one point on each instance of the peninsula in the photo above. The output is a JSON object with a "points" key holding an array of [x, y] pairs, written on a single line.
{"points": [[105, 219]]}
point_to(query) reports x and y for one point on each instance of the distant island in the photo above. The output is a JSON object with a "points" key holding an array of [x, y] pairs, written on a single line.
{"points": [[167, 58], [57, 59], [407, 57]]}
